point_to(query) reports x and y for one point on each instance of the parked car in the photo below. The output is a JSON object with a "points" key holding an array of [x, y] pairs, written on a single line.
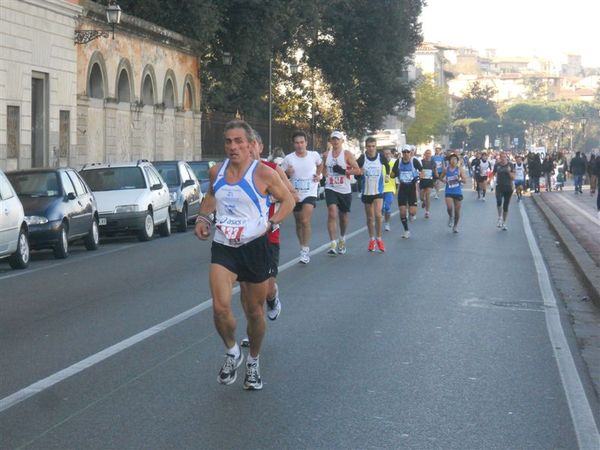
{"points": [[14, 232], [184, 191], [201, 169], [132, 198], [59, 208]]}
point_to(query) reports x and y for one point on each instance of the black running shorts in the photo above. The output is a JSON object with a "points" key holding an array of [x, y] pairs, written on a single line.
{"points": [[407, 195], [306, 201], [251, 262], [343, 201]]}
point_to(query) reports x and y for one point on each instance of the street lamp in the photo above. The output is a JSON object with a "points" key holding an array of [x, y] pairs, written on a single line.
{"points": [[113, 17]]}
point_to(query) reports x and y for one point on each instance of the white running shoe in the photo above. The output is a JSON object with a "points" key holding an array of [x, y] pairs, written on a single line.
{"points": [[455, 229], [332, 249], [273, 308], [304, 257], [342, 247], [500, 222], [504, 227], [227, 374], [450, 222], [387, 227], [245, 342], [406, 234], [411, 217]]}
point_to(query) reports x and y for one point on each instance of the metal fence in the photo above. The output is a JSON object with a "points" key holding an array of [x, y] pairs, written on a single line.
{"points": [[214, 122]]}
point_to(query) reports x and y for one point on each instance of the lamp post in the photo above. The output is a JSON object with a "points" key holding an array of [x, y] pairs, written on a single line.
{"points": [[113, 17]]}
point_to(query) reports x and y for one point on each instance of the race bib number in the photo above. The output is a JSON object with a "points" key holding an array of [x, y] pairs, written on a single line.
{"points": [[335, 180], [427, 174], [372, 172], [406, 177], [438, 164], [453, 182], [232, 229], [303, 185]]}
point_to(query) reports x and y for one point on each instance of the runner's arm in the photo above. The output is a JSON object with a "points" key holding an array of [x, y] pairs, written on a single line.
{"points": [[351, 161], [279, 191], [287, 183], [207, 207]]}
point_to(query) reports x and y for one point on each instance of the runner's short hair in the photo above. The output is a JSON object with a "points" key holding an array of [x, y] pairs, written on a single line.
{"points": [[240, 124], [370, 139], [299, 133]]}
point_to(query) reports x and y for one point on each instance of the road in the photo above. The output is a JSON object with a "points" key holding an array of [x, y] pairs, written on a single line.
{"points": [[441, 342]]}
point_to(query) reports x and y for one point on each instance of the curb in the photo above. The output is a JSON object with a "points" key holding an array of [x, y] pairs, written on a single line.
{"points": [[587, 267]]}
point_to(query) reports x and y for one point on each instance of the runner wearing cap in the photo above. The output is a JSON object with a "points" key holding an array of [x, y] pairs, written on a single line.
{"points": [[340, 164]]}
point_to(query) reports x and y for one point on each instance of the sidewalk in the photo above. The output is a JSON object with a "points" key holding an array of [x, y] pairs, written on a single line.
{"points": [[574, 219]]}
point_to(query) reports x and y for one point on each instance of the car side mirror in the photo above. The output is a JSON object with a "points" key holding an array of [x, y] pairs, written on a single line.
{"points": [[71, 196], [156, 187], [189, 183]]}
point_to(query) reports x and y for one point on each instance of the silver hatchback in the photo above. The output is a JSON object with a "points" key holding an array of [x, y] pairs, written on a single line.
{"points": [[14, 240]]}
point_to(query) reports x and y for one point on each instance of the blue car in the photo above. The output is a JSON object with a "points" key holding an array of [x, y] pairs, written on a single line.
{"points": [[59, 208]]}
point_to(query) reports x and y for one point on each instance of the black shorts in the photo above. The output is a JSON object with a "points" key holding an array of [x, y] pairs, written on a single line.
{"points": [[458, 197], [251, 262], [425, 184], [481, 178], [368, 199], [306, 201], [343, 201], [407, 195], [274, 249]]}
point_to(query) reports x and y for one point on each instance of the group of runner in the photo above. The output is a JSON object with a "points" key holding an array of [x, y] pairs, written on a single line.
{"points": [[248, 198]]}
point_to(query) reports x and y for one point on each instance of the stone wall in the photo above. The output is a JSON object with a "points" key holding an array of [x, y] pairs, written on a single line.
{"points": [[37, 36]]}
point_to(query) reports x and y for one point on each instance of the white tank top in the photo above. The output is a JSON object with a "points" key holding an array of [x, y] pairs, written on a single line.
{"points": [[242, 211], [335, 181], [373, 176]]}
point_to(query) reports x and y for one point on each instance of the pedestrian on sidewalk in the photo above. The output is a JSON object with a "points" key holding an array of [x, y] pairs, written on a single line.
{"points": [[595, 183], [577, 169], [548, 171], [535, 172]]}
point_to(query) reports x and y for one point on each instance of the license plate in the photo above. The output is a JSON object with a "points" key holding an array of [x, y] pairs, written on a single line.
{"points": [[102, 222]]}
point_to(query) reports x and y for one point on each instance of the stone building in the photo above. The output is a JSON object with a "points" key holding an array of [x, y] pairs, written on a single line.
{"points": [[38, 85], [136, 96]]}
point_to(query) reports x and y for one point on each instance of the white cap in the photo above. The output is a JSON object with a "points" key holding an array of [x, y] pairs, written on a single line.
{"points": [[337, 134]]}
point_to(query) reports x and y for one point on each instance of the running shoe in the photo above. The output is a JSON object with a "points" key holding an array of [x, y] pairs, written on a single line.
{"points": [[406, 234], [427, 214], [371, 245], [245, 342], [436, 196], [450, 221], [504, 227], [455, 229], [342, 246], [252, 382], [273, 308], [500, 222], [380, 245], [411, 217], [387, 227], [332, 249], [304, 257], [227, 374], [483, 199]]}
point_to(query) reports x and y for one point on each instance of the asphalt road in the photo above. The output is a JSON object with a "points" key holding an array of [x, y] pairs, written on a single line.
{"points": [[441, 342]]}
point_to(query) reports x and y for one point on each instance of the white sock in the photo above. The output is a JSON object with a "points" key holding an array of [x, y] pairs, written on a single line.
{"points": [[235, 350], [342, 238], [334, 243], [252, 360], [372, 238], [305, 249]]}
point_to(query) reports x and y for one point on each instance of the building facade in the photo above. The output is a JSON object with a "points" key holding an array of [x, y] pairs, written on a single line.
{"points": [[38, 83], [136, 96]]}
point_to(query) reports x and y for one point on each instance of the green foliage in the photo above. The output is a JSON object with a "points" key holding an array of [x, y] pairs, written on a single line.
{"points": [[477, 102], [531, 113], [433, 114]]}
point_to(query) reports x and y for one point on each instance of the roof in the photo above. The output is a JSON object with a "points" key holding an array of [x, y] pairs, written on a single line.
{"points": [[141, 162]]}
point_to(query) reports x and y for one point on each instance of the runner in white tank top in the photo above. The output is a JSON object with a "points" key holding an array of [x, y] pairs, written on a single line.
{"points": [[340, 164], [239, 191]]}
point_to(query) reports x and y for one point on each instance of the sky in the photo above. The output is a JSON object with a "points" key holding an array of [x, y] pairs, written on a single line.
{"points": [[545, 28]]}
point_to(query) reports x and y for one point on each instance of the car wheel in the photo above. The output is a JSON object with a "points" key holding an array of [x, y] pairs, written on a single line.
{"points": [[147, 231], [20, 258], [92, 240], [182, 220], [61, 248], [165, 228]]}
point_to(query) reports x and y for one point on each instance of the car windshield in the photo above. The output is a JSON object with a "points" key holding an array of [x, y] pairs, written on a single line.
{"points": [[41, 184], [201, 168], [114, 178], [169, 173]]}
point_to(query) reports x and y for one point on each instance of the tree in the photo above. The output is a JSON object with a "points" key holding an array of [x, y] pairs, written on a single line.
{"points": [[433, 114], [477, 103]]}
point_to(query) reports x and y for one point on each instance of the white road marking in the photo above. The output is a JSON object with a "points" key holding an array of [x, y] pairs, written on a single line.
{"points": [[580, 210], [584, 424], [96, 358]]}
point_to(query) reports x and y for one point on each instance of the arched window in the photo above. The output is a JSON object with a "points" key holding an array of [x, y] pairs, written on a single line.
{"points": [[124, 87], [96, 82], [169, 95], [148, 90], [188, 98]]}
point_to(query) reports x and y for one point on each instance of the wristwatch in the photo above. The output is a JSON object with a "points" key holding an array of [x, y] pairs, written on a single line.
{"points": [[274, 226]]}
